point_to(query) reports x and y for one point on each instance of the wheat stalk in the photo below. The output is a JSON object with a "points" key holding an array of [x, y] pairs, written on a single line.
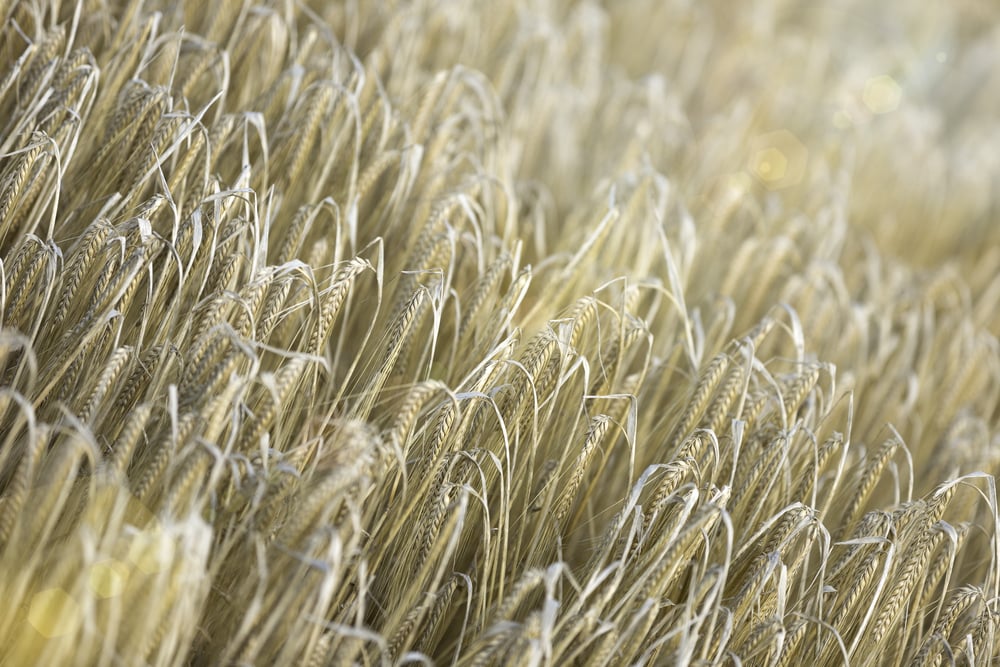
{"points": [[534, 333]]}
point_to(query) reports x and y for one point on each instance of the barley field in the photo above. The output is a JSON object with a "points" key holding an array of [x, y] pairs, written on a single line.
{"points": [[507, 332]]}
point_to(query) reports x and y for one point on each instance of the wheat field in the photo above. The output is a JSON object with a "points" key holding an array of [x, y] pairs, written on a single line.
{"points": [[521, 332]]}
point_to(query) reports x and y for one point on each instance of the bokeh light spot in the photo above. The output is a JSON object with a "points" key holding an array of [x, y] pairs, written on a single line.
{"points": [[770, 164], [108, 578], [778, 159], [841, 120], [53, 613], [149, 551], [881, 94]]}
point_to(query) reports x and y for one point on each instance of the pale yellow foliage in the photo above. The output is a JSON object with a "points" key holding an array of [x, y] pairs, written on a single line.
{"points": [[533, 332]]}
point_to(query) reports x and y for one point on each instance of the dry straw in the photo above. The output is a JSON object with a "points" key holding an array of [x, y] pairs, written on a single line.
{"points": [[541, 332]]}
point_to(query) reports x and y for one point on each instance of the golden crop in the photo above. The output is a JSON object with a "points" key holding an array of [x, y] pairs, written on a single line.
{"points": [[530, 332]]}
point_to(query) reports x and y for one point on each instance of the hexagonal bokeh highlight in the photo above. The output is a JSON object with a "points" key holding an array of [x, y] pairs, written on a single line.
{"points": [[770, 165], [150, 551], [881, 94], [778, 159], [842, 120], [108, 578], [53, 613]]}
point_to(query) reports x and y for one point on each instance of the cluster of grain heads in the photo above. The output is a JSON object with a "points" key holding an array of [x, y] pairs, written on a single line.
{"points": [[392, 332]]}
